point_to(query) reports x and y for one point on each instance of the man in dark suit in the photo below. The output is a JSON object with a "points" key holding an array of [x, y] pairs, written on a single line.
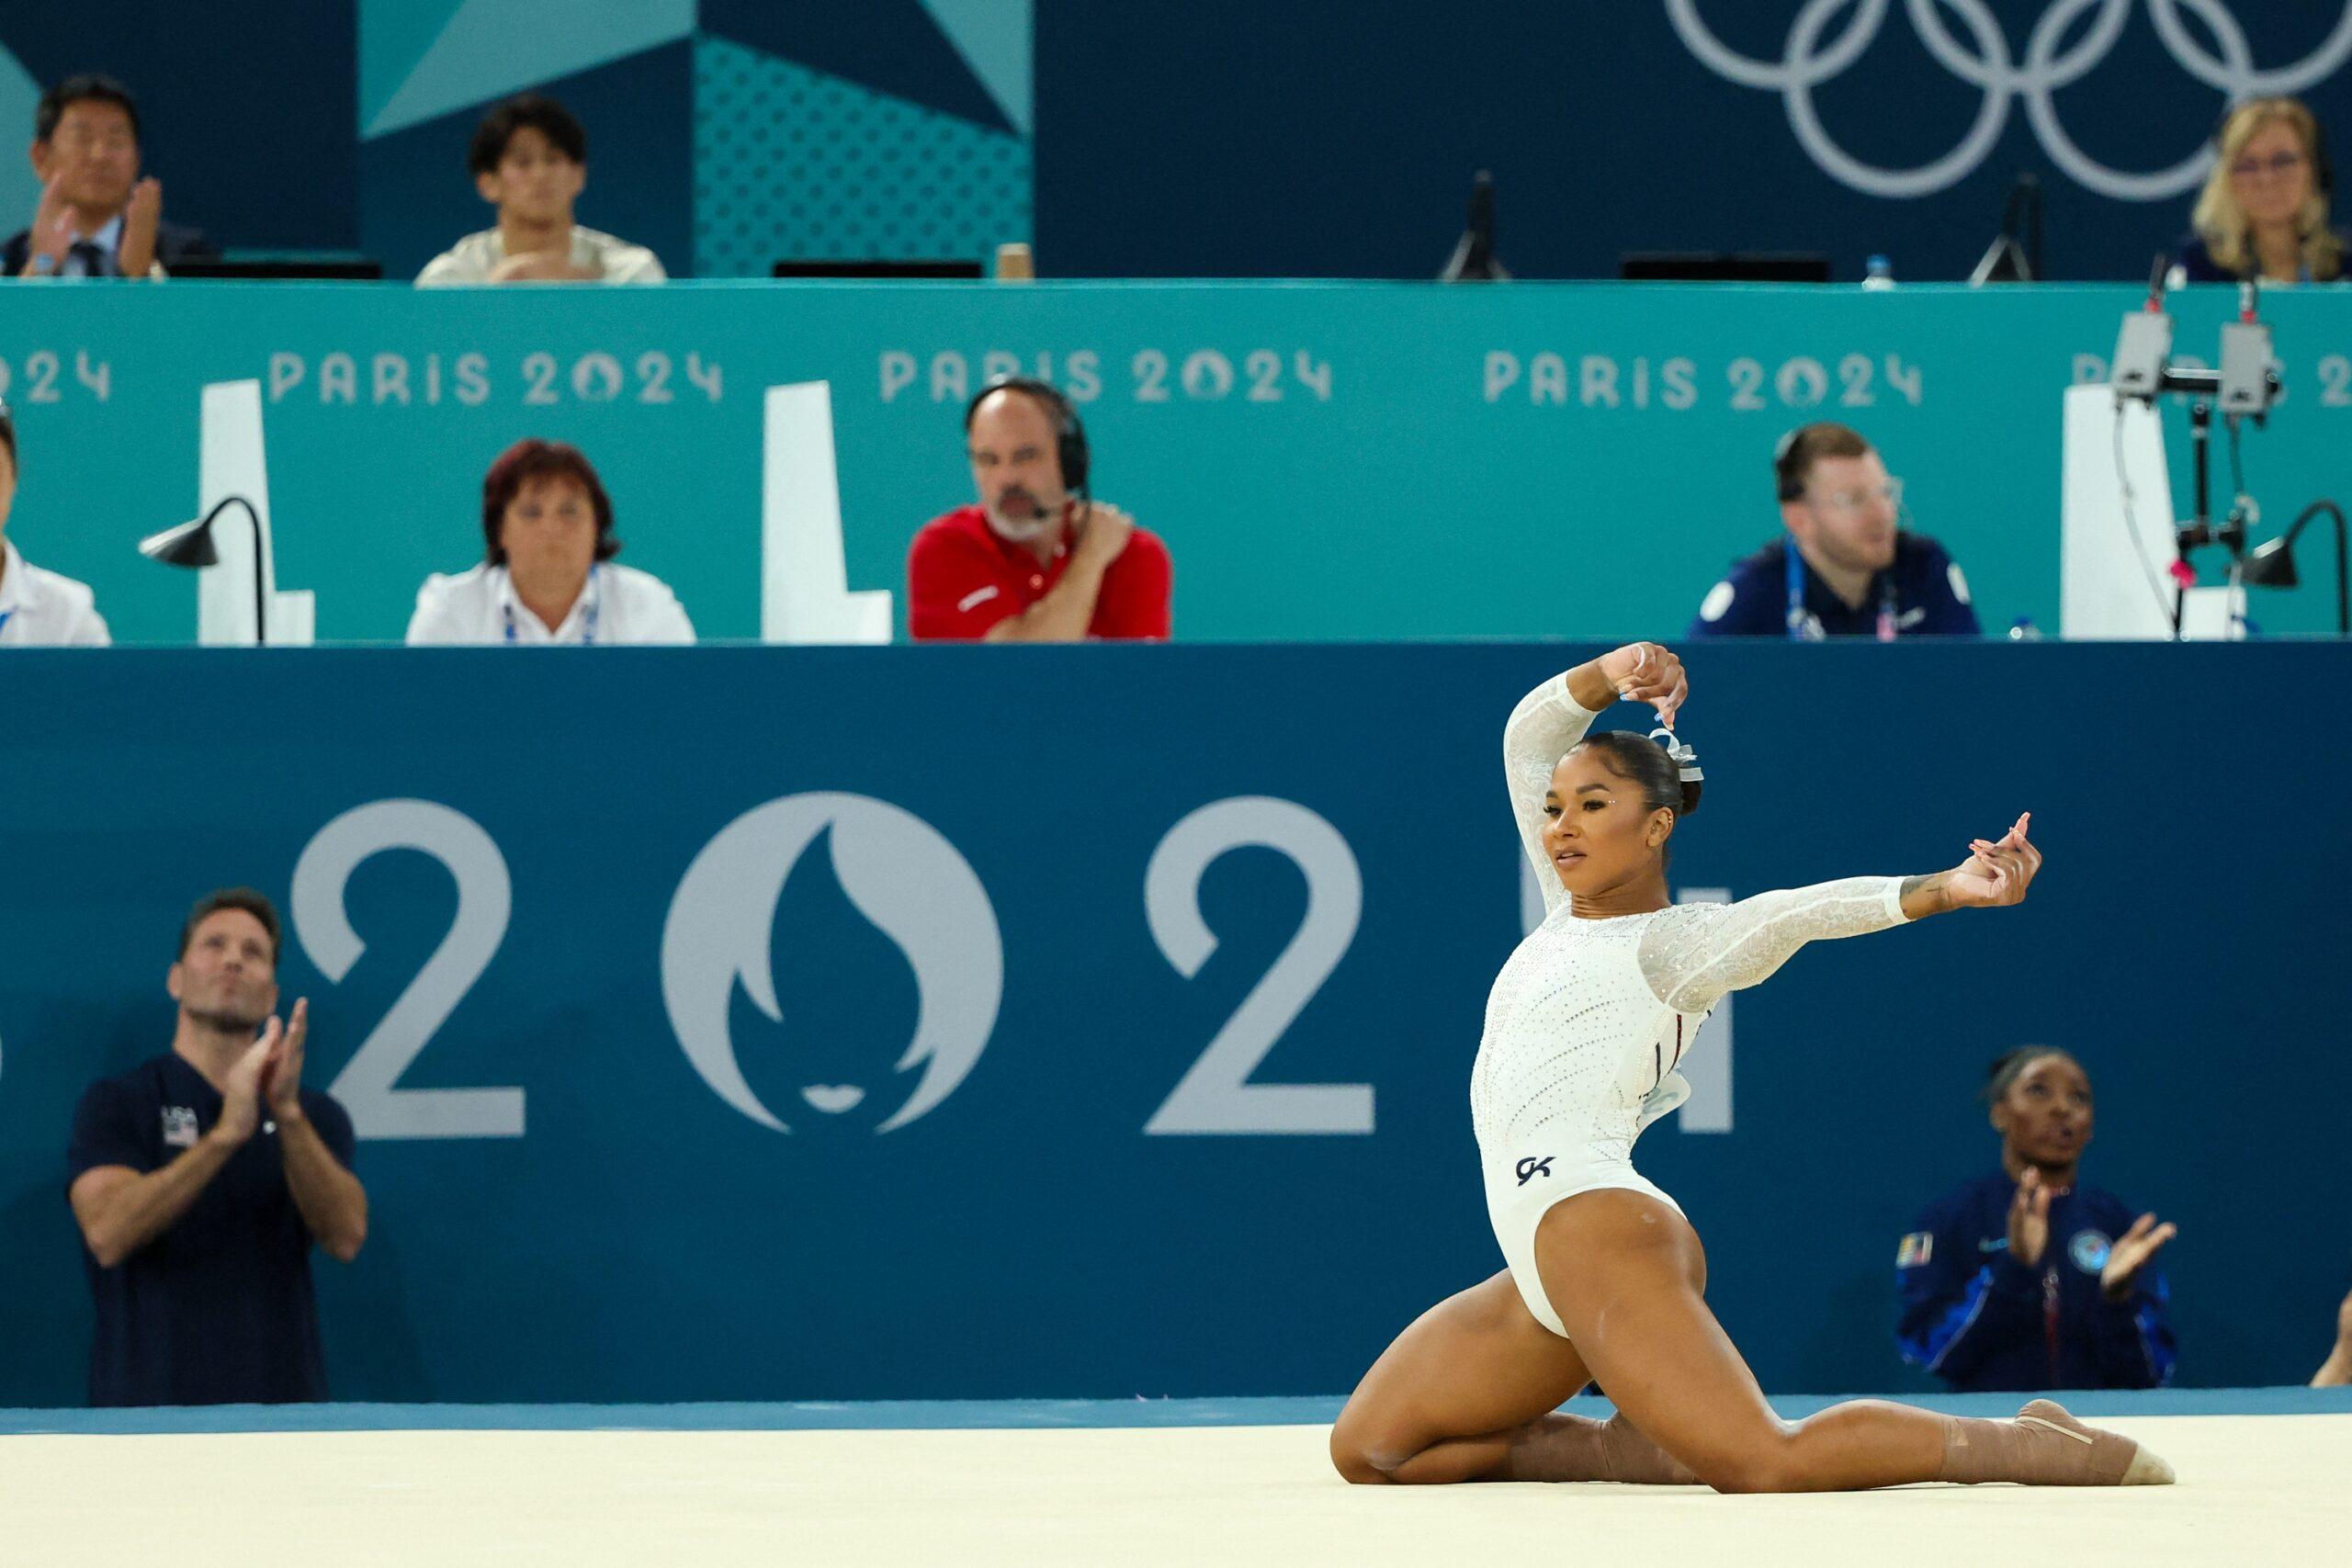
{"points": [[97, 218]]}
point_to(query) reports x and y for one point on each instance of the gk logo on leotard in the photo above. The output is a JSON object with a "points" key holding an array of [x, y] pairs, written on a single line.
{"points": [[1810, 59], [896, 871], [1531, 1168]]}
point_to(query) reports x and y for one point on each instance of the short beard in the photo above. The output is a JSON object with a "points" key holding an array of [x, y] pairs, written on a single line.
{"points": [[1846, 559], [225, 1022], [1024, 530]]}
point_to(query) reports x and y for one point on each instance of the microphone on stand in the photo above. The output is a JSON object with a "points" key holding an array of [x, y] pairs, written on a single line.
{"points": [[2006, 260], [1473, 255]]}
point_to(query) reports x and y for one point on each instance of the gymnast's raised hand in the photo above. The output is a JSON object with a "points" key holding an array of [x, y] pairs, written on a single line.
{"points": [[1638, 673]]}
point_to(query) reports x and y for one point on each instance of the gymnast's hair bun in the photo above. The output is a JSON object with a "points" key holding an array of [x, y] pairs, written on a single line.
{"points": [[1687, 772]]}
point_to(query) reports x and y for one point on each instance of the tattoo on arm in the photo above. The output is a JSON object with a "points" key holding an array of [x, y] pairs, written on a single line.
{"points": [[1925, 895]]}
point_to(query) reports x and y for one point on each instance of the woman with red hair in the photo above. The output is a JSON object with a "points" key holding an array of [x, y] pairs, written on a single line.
{"points": [[547, 574]]}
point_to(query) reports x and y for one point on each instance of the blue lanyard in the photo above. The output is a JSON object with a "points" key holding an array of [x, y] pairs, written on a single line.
{"points": [[6, 616], [1802, 624], [593, 595]]}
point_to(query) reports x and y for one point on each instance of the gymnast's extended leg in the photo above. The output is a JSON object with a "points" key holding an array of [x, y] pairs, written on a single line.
{"points": [[1623, 1270]]}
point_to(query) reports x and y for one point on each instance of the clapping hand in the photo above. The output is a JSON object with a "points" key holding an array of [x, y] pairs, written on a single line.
{"points": [[242, 1090], [282, 1070], [135, 254], [2029, 1219], [2131, 1254], [53, 229]]}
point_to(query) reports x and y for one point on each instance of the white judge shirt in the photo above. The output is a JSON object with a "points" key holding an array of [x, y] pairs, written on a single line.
{"points": [[40, 609], [619, 604]]}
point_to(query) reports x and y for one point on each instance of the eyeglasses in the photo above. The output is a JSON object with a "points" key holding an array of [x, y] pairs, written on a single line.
{"points": [[1848, 502], [75, 139], [2277, 163]]}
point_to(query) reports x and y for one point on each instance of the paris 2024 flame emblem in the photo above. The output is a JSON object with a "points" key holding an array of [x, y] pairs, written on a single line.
{"points": [[897, 872]]}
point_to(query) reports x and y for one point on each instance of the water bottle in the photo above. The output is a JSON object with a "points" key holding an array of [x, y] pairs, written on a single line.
{"points": [[1877, 273]]}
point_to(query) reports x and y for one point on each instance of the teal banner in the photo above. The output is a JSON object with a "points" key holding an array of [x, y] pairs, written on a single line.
{"points": [[1326, 461]]}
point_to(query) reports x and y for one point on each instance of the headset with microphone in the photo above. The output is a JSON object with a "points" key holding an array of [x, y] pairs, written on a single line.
{"points": [[1069, 435]]}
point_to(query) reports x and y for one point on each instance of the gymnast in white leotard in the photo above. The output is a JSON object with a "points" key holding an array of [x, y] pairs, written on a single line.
{"points": [[1605, 1279], [1589, 1018]]}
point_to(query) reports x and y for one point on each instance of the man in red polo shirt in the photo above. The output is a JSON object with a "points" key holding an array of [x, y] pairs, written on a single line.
{"points": [[1031, 562]]}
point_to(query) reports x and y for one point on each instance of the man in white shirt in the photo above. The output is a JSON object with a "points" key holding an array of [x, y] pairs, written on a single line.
{"points": [[547, 576], [529, 159], [38, 608]]}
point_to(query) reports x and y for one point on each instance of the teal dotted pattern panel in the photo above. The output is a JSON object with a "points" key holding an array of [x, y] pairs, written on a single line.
{"points": [[790, 163]]}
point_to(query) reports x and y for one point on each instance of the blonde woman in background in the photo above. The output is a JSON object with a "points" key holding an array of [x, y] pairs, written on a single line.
{"points": [[2264, 211]]}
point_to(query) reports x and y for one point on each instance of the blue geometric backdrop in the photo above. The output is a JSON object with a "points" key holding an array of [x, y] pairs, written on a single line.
{"points": [[790, 161], [749, 132]]}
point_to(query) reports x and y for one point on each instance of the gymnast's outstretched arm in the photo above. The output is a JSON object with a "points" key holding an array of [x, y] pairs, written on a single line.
{"points": [[1693, 953]]}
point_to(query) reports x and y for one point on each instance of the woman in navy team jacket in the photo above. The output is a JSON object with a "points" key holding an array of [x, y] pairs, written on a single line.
{"points": [[2028, 1278]]}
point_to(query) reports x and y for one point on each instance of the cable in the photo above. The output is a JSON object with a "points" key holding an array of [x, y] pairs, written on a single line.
{"points": [[2132, 528], [2342, 593]]}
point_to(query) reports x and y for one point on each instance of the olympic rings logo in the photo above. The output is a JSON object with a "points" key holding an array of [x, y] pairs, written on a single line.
{"points": [[1807, 61]]}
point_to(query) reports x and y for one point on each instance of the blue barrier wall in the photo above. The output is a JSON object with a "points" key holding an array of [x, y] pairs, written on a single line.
{"points": [[1214, 139], [1326, 461], [1002, 927]]}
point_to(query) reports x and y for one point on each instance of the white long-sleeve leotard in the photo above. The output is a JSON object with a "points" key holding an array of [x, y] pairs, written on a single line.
{"points": [[1588, 1017]]}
